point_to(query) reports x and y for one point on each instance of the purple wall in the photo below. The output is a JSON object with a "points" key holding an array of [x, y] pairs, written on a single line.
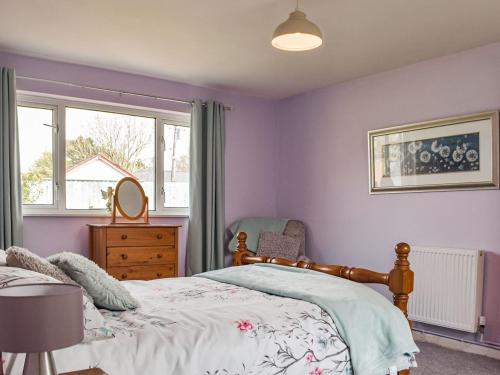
{"points": [[306, 157], [250, 146], [324, 169]]}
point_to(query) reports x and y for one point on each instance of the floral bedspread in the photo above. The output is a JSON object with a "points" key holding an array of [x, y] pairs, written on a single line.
{"points": [[197, 326]]}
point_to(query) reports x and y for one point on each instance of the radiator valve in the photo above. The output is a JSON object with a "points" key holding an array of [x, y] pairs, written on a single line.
{"points": [[482, 324]]}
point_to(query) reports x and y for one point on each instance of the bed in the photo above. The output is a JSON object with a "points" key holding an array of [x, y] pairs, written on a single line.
{"points": [[199, 325]]}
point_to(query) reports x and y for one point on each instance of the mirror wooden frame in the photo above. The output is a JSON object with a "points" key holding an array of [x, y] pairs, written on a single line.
{"points": [[144, 213]]}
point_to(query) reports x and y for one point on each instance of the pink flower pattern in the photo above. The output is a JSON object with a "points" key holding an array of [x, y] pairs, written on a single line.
{"points": [[244, 325], [316, 371], [309, 357]]}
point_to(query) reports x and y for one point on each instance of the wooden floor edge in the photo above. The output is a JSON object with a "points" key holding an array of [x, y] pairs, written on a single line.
{"points": [[455, 344]]}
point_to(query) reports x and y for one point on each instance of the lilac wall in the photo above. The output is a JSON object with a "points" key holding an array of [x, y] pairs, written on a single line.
{"points": [[306, 157], [251, 126], [324, 170]]}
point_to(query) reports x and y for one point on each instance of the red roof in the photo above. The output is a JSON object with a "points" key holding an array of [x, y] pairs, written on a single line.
{"points": [[104, 160]]}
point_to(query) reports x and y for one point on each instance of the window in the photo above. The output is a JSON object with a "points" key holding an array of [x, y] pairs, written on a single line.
{"points": [[101, 149], [36, 134], [73, 152], [176, 166]]}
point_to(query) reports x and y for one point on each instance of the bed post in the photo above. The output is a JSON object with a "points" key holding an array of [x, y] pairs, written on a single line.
{"points": [[241, 250], [401, 283], [401, 278]]}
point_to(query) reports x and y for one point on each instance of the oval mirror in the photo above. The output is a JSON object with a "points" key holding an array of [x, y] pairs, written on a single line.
{"points": [[130, 199]]}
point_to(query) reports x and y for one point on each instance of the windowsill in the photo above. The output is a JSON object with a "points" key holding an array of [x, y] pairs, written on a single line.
{"points": [[100, 214]]}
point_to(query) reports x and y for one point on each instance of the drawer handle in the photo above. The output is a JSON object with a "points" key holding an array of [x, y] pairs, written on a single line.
{"points": [[159, 236], [159, 255], [158, 274], [124, 256], [124, 236], [124, 275]]}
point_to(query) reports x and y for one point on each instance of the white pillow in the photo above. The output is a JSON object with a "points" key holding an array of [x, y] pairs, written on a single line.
{"points": [[94, 323], [3, 258]]}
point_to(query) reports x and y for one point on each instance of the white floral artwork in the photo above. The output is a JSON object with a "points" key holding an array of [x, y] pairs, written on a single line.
{"points": [[454, 153]]}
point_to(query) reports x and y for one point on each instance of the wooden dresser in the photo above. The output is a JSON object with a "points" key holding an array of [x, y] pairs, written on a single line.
{"points": [[135, 251]]}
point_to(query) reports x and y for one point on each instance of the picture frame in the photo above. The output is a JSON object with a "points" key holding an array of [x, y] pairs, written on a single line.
{"points": [[454, 153]]}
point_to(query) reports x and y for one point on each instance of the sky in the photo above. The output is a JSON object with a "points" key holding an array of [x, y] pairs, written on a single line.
{"points": [[34, 137]]}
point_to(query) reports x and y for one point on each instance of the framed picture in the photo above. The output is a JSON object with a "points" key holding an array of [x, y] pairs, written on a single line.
{"points": [[447, 154]]}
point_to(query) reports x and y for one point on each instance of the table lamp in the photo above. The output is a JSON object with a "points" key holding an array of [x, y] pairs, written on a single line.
{"points": [[38, 318]]}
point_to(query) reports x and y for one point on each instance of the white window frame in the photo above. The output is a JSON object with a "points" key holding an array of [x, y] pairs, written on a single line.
{"points": [[59, 104], [25, 102]]}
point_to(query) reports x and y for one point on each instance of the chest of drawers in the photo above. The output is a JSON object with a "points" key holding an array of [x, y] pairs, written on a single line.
{"points": [[135, 251]]}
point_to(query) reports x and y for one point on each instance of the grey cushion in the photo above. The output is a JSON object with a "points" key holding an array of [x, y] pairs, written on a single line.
{"points": [[106, 291], [23, 258], [278, 245]]}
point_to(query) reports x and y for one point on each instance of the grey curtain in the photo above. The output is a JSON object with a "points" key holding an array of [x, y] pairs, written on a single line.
{"points": [[206, 191], [11, 219]]}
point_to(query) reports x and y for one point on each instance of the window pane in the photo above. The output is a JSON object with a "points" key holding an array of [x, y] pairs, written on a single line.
{"points": [[37, 166], [101, 149], [176, 166]]}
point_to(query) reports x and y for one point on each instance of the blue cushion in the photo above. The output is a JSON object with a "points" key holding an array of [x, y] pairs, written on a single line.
{"points": [[107, 292]]}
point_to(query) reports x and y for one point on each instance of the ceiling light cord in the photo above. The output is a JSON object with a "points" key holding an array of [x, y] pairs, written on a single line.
{"points": [[297, 6]]}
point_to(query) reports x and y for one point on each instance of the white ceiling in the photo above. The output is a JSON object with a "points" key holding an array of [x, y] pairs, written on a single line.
{"points": [[226, 43]]}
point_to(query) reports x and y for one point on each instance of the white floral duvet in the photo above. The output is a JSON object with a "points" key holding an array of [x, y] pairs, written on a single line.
{"points": [[196, 326]]}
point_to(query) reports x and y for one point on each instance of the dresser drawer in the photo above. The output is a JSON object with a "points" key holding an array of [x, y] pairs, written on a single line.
{"points": [[143, 272], [138, 256], [127, 236]]}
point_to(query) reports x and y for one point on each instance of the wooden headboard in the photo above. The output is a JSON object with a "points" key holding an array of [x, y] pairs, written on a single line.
{"points": [[399, 279]]}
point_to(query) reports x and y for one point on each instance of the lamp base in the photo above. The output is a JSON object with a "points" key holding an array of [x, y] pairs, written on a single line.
{"points": [[39, 364]]}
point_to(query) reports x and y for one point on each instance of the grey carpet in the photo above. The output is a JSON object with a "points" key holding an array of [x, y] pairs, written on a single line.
{"points": [[434, 360]]}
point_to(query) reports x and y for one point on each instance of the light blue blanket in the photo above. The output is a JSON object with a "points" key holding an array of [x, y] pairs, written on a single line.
{"points": [[376, 332], [253, 227]]}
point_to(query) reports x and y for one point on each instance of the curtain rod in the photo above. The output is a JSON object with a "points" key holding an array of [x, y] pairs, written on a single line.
{"points": [[121, 92]]}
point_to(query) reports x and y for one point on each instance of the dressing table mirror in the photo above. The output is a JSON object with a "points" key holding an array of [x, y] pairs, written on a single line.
{"points": [[130, 201]]}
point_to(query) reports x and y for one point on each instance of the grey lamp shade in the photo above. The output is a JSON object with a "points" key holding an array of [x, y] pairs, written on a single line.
{"points": [[40, 317]]}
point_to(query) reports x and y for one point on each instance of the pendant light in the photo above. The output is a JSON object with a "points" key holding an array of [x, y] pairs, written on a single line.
{"points": [[297, 33]]}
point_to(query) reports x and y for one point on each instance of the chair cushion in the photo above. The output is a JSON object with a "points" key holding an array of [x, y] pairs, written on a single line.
{"points": [[278, 245], [106, 291]]}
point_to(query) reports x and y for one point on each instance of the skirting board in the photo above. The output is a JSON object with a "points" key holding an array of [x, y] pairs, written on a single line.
{"points": [[487, 351]]}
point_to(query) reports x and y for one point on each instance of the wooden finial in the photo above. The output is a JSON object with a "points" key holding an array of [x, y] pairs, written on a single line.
{"points": [[242, 238], [401, 277], [241, 250], [402, 250]]}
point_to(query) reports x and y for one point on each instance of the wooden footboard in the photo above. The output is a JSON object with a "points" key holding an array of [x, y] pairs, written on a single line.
{"points": [[399, 279]]}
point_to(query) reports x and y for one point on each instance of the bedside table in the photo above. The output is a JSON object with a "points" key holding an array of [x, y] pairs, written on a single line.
{"points": [[90, 371]]}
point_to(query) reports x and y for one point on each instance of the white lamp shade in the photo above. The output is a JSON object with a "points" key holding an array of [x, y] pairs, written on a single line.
{"points": [[297, 34]]}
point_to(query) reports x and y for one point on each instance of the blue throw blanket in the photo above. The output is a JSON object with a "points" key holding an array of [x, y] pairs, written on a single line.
{"points": [[377, 333], [253, 227]]}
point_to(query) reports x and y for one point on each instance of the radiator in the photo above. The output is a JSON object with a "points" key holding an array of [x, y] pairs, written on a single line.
{"points": [[448, 287]]}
